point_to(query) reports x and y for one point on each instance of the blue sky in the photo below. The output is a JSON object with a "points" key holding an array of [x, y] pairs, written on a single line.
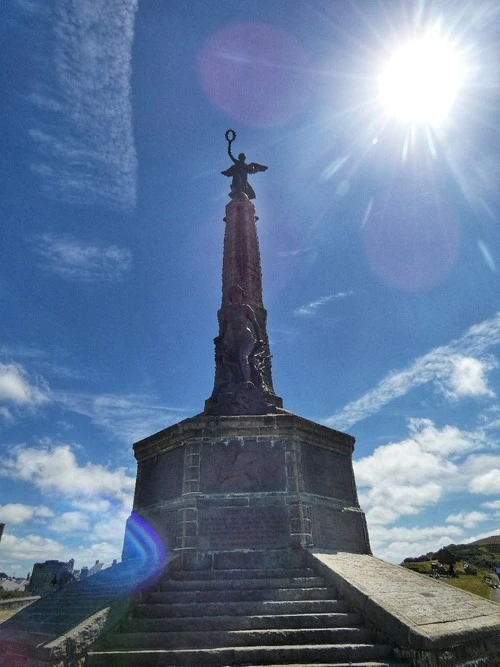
{"points": [[379, 239]]}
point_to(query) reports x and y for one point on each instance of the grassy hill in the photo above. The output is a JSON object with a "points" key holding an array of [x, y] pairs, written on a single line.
{"points": [[483, 554]]}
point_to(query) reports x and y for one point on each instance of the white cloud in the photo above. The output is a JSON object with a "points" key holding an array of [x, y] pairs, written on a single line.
{"points": [[396, 543], [111, 529], [55, 469], [85, 146], [467, 519], [18, 388], [17, 513], [491, 505], [456, 369], [94, 505], [481, 536], [310, 309], [467, 377], [414, 475], [28, 549], [487, 483], [404, 478], [82, 262], [71, 522]]}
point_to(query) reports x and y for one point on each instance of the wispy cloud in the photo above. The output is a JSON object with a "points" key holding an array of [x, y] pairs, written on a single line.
{"points": [[310, 309], [293, 253], [129, 417], [18, 388], [83, 262], [84, 134], [457, 369], [467, 519]]}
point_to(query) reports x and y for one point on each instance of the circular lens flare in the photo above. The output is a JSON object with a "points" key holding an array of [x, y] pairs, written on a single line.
{"points": [[421, 80]]}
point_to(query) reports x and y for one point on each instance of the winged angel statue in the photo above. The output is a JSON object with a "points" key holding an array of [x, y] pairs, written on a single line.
{"points": [[240, 169]]}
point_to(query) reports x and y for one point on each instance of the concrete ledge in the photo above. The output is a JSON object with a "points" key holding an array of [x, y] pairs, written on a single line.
{"points": [[431, 622]]}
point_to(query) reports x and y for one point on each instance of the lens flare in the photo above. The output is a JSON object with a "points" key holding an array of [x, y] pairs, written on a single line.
{"points": [[256, 74], [143, 543], [421, 80]]}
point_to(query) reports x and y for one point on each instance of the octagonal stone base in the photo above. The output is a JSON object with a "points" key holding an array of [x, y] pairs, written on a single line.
{"points": [[247, 482]]}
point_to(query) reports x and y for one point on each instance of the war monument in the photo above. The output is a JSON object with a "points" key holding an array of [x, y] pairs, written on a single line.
{"points": [[246, 544]]}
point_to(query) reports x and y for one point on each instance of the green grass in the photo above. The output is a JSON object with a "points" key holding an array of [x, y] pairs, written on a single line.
{"points": [[466, 582]]}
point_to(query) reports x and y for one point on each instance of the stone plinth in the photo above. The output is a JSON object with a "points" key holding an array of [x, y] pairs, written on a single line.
{"points": [[248, 482]]}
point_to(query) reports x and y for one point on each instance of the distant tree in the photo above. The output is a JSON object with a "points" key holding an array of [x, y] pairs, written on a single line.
{"points": [[446, 557]]}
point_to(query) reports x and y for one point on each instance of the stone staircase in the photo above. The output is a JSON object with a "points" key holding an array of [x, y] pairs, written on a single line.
{"points": [[255, 611]]}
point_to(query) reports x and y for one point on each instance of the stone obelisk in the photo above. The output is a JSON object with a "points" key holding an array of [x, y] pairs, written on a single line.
{"points": [[243, 380], [245, 473]]}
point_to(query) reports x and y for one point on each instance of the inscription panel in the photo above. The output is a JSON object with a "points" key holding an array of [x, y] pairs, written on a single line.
{"points": [[343, 531], [244, 466], [160, 478], [243, 527], [327, 473]]}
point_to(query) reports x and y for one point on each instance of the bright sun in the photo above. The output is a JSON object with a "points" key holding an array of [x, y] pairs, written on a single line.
{"points": [[421, 80]]}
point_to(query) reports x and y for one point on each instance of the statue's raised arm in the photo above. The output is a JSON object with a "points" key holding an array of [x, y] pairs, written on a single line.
{"points": [[240, 169]]}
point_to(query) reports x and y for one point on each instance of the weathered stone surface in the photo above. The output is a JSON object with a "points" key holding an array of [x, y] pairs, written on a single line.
{"points": [[242, 465], [432, 623], [160, 478], [243, 527], [239, 609], [249, 481], [328, 473]]}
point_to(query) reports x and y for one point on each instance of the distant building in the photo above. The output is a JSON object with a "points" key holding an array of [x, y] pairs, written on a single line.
{"points": [[50, 576], [11, 584]]}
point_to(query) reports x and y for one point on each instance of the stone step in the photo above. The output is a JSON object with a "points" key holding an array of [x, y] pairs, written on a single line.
{"points": [[240, 584], [342, 664], [328, 654], [237, 638], [204, 623], [258, 595], [271, 559], [183, 575], [262, 608], [377, 663]]}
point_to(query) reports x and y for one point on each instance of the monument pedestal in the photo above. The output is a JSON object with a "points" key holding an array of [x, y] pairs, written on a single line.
{"points": [[222, 483]]}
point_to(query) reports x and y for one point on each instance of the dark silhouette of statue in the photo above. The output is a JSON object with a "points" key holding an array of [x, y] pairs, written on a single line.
{"points": [[240, 335], [240, 169]]}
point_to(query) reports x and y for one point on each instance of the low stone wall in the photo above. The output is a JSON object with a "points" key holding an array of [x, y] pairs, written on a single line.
{"points": [[430, 623], [59, 629], [17, 603]]}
